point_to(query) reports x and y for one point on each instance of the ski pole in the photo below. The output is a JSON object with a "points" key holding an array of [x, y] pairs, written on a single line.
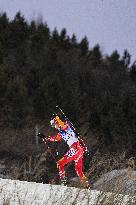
{"points": [[43, 137]]}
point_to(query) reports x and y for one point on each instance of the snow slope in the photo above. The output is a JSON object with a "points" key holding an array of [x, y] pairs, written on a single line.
{"points": [[25, 193], [119, 181]]}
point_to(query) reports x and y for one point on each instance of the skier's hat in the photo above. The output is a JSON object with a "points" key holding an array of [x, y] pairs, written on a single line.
{"points": [[56, 120]]}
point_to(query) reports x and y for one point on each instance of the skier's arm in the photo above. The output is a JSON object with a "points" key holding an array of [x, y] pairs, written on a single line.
{"points": [[54, 138]]}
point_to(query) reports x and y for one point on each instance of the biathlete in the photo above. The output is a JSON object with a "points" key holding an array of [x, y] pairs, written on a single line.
{"points": [[75, 152]]}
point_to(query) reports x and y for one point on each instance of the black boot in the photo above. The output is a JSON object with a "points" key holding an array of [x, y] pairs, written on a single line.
{"points": [[64, 181]]}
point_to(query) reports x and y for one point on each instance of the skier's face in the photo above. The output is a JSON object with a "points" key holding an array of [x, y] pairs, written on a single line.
{"points": [[56, 125]]}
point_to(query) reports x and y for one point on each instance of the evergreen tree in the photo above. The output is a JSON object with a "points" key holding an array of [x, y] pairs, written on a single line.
{"points": [[133, 72], [126, 58], [84, 46], [40, 69]]}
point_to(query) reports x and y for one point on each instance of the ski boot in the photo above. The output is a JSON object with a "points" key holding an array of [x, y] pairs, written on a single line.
{"points": [[85, 182], [64, 181]]}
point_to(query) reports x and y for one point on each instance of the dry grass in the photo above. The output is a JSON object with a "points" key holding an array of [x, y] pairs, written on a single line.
{"points": [[31, 170], [102, 164]]}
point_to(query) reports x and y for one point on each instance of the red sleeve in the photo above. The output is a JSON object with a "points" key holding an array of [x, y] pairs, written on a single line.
{"points": [[54, 138]]}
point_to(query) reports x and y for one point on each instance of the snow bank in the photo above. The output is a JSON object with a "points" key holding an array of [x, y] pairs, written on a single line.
{"points": [[119, 181], [25, 193]]}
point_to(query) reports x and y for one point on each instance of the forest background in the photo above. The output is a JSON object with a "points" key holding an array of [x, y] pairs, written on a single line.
{"points": [[40, 69]]}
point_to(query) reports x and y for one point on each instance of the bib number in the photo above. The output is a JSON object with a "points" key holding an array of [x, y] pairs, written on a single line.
{"points": [[71, 152]]}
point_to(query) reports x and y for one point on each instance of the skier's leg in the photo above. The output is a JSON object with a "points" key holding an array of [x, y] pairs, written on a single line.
{"points": [[78, 164], [79, 171], [68, 157], [60, 166]]}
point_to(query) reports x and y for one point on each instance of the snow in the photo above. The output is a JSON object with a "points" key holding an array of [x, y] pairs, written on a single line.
{"points": [[118, 181], [25, 193]]}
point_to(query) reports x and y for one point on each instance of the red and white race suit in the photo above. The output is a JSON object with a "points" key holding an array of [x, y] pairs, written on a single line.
{"points": [[75, 151]]}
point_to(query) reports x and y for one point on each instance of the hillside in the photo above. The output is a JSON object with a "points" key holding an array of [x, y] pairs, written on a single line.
{"points": [[40, 69]]}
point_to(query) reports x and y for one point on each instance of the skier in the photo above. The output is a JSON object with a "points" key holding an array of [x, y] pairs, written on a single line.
{"points": [[75, 152]]}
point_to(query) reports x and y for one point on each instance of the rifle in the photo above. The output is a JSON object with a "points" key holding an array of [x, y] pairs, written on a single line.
{"points": [[73, 128]]}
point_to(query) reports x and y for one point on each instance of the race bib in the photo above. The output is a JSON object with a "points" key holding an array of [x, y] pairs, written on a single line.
{"points": [[71, 152]]}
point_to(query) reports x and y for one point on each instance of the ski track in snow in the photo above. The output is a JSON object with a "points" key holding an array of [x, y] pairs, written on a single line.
{"points": [[31, 193]]}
